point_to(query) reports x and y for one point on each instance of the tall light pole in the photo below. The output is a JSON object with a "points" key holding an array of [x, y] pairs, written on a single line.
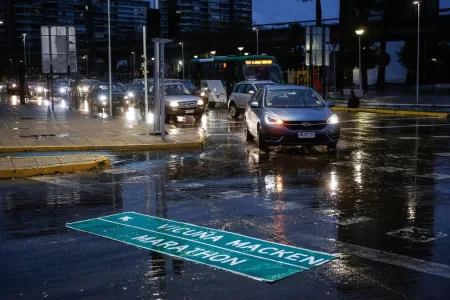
{"points": [[24, 48], [109, 62], [87, 65], [360, 32], [257, 39], [134, 62], [240, 50], [182, 56], [418, 50]]}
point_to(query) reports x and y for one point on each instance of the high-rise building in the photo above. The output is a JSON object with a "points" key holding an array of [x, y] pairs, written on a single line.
{"points": [[89, 17], [201, 16]]}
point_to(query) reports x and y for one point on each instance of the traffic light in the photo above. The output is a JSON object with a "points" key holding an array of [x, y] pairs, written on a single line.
{"points": [[153, 23], [174, 20]]}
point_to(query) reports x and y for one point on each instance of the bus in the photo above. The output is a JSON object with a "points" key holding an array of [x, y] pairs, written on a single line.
{"points": [[233, 69]]}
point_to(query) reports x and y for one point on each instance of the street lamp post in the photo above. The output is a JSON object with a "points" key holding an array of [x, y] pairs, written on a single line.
{"points": [[109, 62], [134, 62], [87, 65], [24, 48], [257, 39], [182, 56], [418, 50], [359, 33], [240, 50]]}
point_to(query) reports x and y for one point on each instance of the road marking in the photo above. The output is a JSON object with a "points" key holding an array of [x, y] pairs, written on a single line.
{"points": [[251, 257], [408, 138]]}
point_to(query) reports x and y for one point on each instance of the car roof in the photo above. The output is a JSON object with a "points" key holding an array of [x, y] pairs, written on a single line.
{"points": [[286, 87], [255, 81]]}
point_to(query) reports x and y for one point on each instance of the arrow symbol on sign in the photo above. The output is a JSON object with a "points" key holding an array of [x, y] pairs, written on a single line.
{"points": [[126, 218]]}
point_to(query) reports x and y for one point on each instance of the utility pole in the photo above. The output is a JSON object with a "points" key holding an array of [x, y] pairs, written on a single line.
{"points": [[144, 37], [418, 51], [109, 63]]}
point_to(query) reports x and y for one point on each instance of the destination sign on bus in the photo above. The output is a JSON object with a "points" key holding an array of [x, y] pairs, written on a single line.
{"points": [[259, 62]]}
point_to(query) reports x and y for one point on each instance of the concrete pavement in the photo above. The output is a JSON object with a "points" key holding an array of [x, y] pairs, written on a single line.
{"points": [[35, 127]]}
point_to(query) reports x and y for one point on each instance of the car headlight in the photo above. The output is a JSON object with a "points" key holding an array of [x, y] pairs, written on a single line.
{"points": [[104, 103], [39, 89], [85, 89], [200, 102], [62, 90], [102, 98], [130, 94], [125, 97], [202, 94], [14, 85], [173, 104], [273, 120], [127, 102], [333, 119]]}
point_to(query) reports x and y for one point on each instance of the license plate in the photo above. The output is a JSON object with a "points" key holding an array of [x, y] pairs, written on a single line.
{"points": [[306, 135], [189, 111]]}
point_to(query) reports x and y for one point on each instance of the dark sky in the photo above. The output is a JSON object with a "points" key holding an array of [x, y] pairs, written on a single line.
{"points": [[275, 11]]}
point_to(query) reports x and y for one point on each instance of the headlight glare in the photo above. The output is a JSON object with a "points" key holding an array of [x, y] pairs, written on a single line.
{"points": [[102, 98], [85, 89], [200, 102], [130, 94], [273, 120], [333, 119], [173, 104], [202, 94]]}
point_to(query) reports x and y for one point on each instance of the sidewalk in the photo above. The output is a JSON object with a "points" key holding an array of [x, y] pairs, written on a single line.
{"points": [[16, 167], [34, 127]]}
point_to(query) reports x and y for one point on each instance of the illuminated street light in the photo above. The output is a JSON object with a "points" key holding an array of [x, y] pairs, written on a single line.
{"points": [[418, 49], [246, 53], [213, 52], [240, 50], [360, 32], [195, 56]]}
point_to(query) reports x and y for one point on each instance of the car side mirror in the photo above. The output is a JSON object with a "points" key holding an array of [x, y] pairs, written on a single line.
{"points": [[254, 104], [331, 104], [252, 92]]}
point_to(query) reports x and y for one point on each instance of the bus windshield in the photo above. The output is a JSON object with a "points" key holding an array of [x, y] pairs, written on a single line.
{"points": [[263, 72]]}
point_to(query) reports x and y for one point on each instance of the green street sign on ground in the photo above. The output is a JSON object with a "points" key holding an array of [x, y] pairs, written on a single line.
{"points": [[228, 251]]}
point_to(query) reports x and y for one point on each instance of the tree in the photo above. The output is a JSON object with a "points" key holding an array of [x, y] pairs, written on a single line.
{"points": [[318, 11]]}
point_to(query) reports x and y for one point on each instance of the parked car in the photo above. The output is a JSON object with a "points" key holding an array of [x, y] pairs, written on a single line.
{"points": [[2, 87], [178, 102], [290, 116], [12, 87], [135, 92], [85, 87], [241, 95], [39, 89], [100, 97], [61, 88], [192, 89]]}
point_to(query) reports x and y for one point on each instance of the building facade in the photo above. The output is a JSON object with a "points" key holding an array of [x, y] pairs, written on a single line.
{"points": [[200, 16], [89, 17]]}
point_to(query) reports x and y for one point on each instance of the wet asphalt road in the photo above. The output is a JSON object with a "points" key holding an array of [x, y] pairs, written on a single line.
{"points": [[390, 173]]}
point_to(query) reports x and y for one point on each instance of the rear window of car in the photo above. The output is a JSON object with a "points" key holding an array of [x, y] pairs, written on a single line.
{"points": [[240, 88]]}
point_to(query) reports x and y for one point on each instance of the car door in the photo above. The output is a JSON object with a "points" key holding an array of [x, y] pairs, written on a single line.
{"points": [[240, 96], [253, 113], [248, 94]]}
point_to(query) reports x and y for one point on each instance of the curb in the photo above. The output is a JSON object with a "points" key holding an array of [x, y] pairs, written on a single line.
{"points": [[166, 146], [392, 111], [101, 162]]}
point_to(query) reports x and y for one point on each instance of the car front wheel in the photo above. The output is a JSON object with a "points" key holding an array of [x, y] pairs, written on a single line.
{"points": [[262, 145], [233, 111], [248, 136]]}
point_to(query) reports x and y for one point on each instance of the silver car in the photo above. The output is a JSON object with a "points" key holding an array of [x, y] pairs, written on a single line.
{"points": [[242, 93], [178, 101], [290, 116]]}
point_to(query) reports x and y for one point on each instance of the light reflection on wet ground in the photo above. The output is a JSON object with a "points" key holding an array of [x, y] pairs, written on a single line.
{"points": [[389, 174]]}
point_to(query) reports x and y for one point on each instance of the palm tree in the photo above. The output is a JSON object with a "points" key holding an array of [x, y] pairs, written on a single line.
{"points": [[318, 11]]}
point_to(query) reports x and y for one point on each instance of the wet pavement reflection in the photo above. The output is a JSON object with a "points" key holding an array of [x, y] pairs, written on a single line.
{"points": [[381, 203]]}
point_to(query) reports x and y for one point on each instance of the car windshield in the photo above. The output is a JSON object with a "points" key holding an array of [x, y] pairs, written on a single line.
{"points": [[261, 85], [263, 72], [176, 89], [135, 87], [114, 87], [293, 98], [62, 82], [189, 85]]}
